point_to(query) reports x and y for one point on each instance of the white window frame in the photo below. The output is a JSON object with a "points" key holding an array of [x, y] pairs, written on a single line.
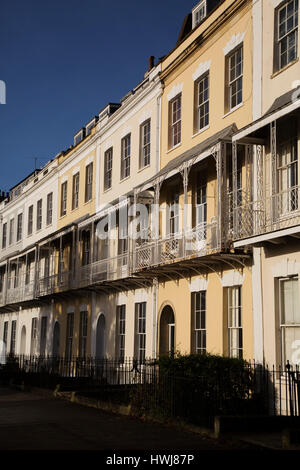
{"points": [[282, 324], [4, 235], [11, 231], [69, 335], [199, 13], [34, 336], [145, 143], [64, 195], [287, 35], [39, 214], [121, 332], [49, 208], [108, 165], [288, 190], [43, 339], [125, 156], [83, 333], [13, 336], [89, 182], [175, 120], [202, 102], [233, 82], [235, 321], [200, 322], [140, 312], [30, 220], [19, 227], [75, 195]]}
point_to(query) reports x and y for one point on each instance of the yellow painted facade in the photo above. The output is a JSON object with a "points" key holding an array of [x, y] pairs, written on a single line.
{"points": [[205, 47], [178, 69]]}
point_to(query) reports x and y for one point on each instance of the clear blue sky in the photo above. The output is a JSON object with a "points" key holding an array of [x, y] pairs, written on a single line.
{"points": [[63, 60]]}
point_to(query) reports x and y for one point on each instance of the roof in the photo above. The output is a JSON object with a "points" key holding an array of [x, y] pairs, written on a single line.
{"points": [[224, 134], [289, 98], [283, 100]]}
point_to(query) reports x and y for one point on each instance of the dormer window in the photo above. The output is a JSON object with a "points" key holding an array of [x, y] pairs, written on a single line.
{"points": [[90, 125], [199, 13], [79, 136]]}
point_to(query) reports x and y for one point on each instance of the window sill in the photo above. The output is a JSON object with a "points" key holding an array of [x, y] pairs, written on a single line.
{"points": [[124, 179], [201, 131], [173, 148], [278, 72], [233, 109], [62, 216], [106, 190], [143, 168]]}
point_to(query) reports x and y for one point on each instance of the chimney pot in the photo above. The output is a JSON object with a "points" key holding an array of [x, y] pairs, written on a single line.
{"points": [[151, 62]]}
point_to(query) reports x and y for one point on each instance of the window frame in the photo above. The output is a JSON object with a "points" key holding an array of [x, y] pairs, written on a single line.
{"points": [[4, 235], [75, 191], [64, 198], [43, 338], [19, 227], [145, 143], [69, 335], [108, 165], [175, 126], [140, 330], [11, 231], [202, 5], [125, 156], [39, 214], [278, 39], [49, 216], [33, 336], [199, 106], [199, 330], [232, 325], [231, 82], [30, 221], [83, 333], [88, 182], [284, 326], [121, 332], [13, 337]]}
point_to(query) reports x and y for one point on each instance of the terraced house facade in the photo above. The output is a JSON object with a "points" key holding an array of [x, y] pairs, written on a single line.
{"points": [[171, 223]]}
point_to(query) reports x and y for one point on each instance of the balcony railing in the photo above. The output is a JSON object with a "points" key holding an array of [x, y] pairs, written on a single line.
{"points": [[276, 212], [55, 283], [20, 293], [199, 241], [109, 269]]}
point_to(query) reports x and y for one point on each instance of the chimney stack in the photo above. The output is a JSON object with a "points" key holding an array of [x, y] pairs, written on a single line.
{"points": [[151, 63]]}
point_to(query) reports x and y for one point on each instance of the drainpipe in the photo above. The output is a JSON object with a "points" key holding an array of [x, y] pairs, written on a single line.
{"points": [[158, 126], [257, 308], [155, 309]]}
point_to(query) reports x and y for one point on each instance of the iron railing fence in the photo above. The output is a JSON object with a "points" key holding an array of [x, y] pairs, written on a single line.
{"points": [[251, 218], [249, 390], [109, 269], [201, 240]]}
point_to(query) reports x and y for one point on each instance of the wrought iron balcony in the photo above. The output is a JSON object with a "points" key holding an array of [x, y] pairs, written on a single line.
{"points": [[200, 241], [276, 212], [20, 292], [55, 283], [109, 269]]}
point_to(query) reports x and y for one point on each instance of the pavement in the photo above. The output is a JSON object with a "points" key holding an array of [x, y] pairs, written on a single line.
{"points": [[38, 421]]}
